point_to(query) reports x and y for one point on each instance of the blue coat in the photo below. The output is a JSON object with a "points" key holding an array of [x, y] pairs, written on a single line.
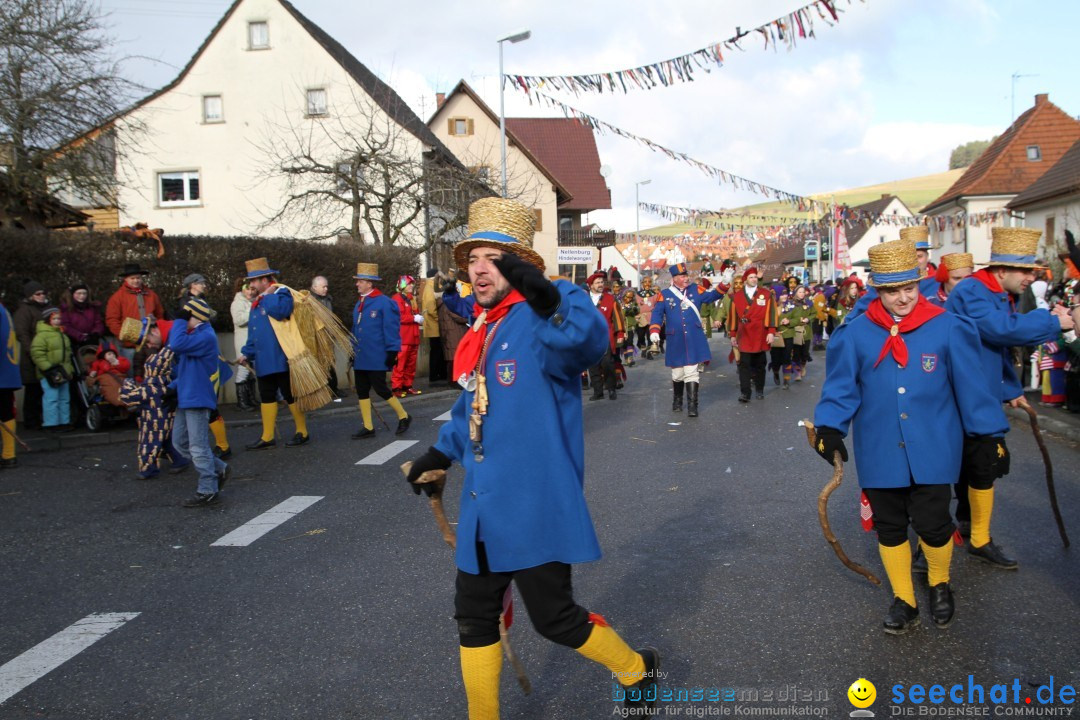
{"points": [[686, 343], [526, 499], [1000, 328], [262, 347], [197, 370], [928, 288], [908, 422], [376, 332], [9, 361]]}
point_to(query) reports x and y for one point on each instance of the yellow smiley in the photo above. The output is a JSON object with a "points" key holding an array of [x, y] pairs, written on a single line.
{"points": [[862, 693]]}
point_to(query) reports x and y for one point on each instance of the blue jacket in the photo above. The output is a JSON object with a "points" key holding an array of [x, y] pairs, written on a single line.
{"points": [[526, 499], [197, 370], [685, 341], [928, 288], [1000, 328], [262, 347], [9, 361], [376, 332], [908, 422]]}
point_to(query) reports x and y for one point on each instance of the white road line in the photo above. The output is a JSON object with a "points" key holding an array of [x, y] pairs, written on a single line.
{"points": [[254, 529], [380, 456], [442, 418], [50, 654]]}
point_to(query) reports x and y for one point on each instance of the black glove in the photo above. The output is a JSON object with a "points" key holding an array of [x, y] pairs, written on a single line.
{"points": [[391, 358], [169, 400], [985, 458], [829, 440], [431, 460], [450, 286], [529, 280]]}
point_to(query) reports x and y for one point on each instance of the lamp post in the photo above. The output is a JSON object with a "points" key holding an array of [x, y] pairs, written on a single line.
{"points": [[637, 232], [515, 38]]}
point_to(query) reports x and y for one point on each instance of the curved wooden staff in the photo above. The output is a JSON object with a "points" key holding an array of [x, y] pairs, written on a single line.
{"points": [[1033, 418], [823, 507], [438, 479]]}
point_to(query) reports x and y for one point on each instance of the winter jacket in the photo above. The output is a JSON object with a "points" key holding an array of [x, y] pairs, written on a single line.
{"points": [[410, 329], [262, 347], [124, 303], [429, 308], [375, 331], [26, 319], [241, 312], [50, 347], [120, 369], [196, 366], [83, 322], [452, 327]]}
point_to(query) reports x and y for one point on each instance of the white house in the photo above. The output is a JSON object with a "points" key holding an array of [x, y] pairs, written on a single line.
{"points": [[1052, 203], [875, 222]]}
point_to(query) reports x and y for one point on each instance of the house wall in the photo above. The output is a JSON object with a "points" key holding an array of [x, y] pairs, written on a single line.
{"points": [[611, 256], [1064, 213]]}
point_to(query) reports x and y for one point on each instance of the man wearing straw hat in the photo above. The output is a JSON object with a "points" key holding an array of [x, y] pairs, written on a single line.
{"points": [[518, 431], [988, 299], [376, 335], [954, 268], [900, 376], [928, 285]]}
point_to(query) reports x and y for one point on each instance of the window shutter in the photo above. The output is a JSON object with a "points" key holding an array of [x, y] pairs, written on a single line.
{"points": [[450, 125], [539, 219], [469, 127]]}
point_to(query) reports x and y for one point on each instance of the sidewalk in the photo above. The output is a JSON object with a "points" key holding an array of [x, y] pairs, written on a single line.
{"points": [[1055, 421]]}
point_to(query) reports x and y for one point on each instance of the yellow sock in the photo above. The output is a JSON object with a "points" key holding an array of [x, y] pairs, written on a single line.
{"points": [[395, 404], [8, 440], [268, 411], [480, 668], [937, 562], [897, 561], [299, 419], [365, 413], [220, 439], [982, 507], [607, 648]]}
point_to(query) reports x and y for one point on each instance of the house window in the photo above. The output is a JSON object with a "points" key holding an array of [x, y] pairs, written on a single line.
{"points": [[258, 35], [539, 219], [178, 188], [212, 111], [460, 126], [316, 102], [1034, 153]]}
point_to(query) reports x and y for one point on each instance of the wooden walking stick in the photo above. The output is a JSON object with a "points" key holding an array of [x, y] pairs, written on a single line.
{"points": [[823, 507], [1033, 418], [27, 447], [438, 479]]}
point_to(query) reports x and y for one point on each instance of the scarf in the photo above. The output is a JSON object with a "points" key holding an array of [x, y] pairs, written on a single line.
{"points": [[468, 351], [921, 313]]}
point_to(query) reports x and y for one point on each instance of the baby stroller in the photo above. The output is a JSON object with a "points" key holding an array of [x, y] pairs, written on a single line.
{"points": [[99, 395]]}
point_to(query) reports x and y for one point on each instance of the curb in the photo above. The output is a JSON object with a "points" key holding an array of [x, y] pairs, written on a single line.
{"points": [[1047, 423]]}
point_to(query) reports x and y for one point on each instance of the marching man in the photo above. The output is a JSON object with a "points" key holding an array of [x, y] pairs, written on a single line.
{"points": [[602, 375], [752, 320]]}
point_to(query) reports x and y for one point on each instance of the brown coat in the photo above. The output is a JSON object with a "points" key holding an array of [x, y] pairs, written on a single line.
{"points": [[452, 327], [25, 320]]}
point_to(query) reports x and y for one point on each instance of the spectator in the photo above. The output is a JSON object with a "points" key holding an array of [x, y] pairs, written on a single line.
{"points": [[430, 299], [107, 372], [452, 328], [405, 371], [241, 311], [26, 319], [320, 290], [195, 286], [81, 316], [132, 300], [51, 353], [10, 381]]}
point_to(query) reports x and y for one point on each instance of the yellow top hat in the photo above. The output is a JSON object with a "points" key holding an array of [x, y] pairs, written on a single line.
{"points": [[259, 267], [499, 223], [893, 264], [367, 271], [918, 234], [1014, 247], [956, 261], [133, 331]]}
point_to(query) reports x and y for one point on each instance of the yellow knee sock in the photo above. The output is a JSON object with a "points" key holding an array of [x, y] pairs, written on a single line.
{"points": [[365, 413], [982, 507], [937, 562], [220, 439], [268, 411], [480, 668], [607, 648], [8, 440], [395, 404], [897, 562], [299, 419]]}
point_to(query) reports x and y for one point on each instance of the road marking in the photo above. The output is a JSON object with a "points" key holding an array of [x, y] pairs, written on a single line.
{"points": [[254, 529], [50, 654], [442, 418], [380, 456]]}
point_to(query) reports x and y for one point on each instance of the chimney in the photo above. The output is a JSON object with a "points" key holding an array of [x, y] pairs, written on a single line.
{"points": [[885, 196], [1042, 98], [440, 98]]}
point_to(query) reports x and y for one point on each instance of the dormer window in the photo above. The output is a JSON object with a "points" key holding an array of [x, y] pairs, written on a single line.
{"points": [[1034, 153], [258, 35]]}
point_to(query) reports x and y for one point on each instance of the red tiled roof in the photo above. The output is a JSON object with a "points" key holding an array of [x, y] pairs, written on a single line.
{"points": [[1062, 179], [1003, 168], [567, 148]]}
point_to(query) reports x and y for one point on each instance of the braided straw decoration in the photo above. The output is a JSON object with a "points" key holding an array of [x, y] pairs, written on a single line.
{"points": [[956, 261], [916, 233], [503, 216], [892, 257]]}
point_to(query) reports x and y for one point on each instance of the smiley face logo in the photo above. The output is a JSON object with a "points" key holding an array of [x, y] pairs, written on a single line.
{"points": [[862, 693]]}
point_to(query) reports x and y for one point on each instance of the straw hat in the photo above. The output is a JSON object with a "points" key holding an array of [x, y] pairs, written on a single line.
{"points": [[134, 331], [956, 261], [259, 267], [367, 271], [499, 223], [918, 234], [1014, 247], [893, 264]]}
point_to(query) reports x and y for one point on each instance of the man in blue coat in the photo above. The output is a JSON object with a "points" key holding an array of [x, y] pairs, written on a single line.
{"points": [[928, 285], [517, 429], [987, 297], [10, 381], [678, 310], [376, 331], [900, 376]]}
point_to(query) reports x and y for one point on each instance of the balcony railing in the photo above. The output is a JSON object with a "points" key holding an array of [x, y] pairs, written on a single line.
{"points": [[587, 238]]}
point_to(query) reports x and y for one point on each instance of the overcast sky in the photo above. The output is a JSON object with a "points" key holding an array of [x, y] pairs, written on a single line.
{"points": [[884, 95]]}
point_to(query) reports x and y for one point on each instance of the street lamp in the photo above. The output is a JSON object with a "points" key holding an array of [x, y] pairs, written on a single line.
{"points": [[637, 232], [515, 38]]}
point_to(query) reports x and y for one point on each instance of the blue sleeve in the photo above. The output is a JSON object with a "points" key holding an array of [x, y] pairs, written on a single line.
{"points": [[199, 343], [997, 326], [980, 410], [278, 304], [392, 327], [574, 338], [840, 397], [458, 305], [454, 435]]}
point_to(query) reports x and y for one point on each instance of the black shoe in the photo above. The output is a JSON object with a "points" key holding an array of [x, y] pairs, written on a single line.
{"points": [[760, 395], [942, 607], [223, 477], [901, 618], [200, 500], [597, 396], [744, 398], [222, 454], [641, 696], [611, 395], [363, 433], [297, 440], [918, 562], [176, 469], [991, 554], [776, 378], [261, 444], [403, 424], [787, 385], [964, 526], [9, 463]]}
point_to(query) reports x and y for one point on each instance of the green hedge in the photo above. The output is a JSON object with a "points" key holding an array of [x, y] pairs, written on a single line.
{"points": [[60, 259]]}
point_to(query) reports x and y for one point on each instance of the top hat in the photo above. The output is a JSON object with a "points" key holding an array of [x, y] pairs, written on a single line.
{"points": [[678, 269], [1014, 247], [259, 267], [918, 234], [367, 271], [132, 269], [134, 331], [955, 261], [499, 223], [893, 264]]}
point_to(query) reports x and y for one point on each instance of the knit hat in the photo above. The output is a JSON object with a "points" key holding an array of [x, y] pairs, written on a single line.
{"points": [[196, 308], [78, 286], [31, 287], [48, 312]]}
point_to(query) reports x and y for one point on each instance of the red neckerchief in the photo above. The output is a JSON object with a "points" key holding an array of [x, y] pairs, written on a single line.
{"points": [[374, 293], [941, 295], [468, 351], [269, 290], [987, 278], [923, 311]]}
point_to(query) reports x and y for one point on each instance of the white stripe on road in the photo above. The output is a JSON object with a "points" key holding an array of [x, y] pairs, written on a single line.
{"points": [[50, 654], [254, 529], [442, 418], [380, 456]]}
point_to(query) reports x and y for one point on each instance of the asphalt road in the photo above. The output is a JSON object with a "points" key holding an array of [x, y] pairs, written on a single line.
{"points": [[713, 553]]}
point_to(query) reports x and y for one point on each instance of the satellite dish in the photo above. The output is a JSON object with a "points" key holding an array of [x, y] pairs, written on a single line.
{"points": [[605, 170]]}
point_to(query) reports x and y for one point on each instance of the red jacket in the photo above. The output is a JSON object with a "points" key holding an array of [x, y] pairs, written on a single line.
{"points": [[124, 303], [104, 366], [609, 308], [751, 320], [410, 330]]}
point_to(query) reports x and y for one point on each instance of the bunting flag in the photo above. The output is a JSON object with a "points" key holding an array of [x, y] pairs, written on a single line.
{"points": [[785, 30], [708, 218]]}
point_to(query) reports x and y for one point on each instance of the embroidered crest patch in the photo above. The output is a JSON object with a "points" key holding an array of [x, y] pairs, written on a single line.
{"points": [[929, 362], [506, 372], [374, 313]]}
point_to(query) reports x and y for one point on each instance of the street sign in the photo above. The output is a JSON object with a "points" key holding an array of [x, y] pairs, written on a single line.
{"points": [[575, 255], [810, 250]]}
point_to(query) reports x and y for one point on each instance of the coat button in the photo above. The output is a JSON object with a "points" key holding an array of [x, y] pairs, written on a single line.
{"points": [[901, 443], [472, 493], [901, 390], [903, 416]]}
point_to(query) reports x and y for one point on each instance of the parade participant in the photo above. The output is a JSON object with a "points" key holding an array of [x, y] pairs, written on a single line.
{"points": [[523, 515], [708, 310], [752, 322], [629, 305], [647, 297], [777, 349], [10, 381], [409, 312], [377, 339], [725, 304], [602, 375], [987, 298], [821, 315], [900, 376], [954, 268], [846, 299], [193, 304], [795, 316], [678, 309], [928, 285]]}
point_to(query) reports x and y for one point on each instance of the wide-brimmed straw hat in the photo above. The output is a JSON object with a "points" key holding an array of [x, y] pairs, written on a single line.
{"points": [[1014, 247], [499, 223], [259, 267], [918, 234], [367, 271], [893, 264]]}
